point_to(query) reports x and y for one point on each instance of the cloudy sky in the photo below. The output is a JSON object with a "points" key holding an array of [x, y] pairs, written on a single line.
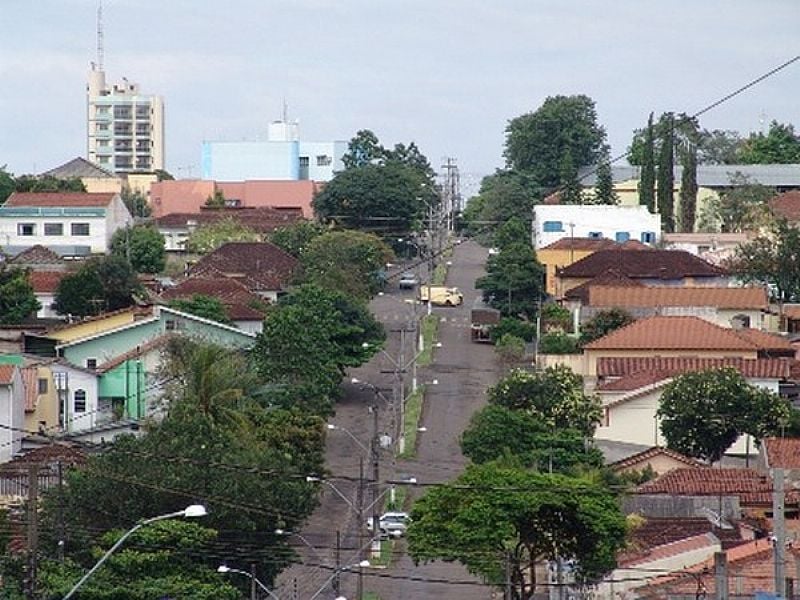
{"points": [[448, 74]]}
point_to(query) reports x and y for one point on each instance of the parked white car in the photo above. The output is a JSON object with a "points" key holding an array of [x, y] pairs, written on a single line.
{"points": [[392, 523]]}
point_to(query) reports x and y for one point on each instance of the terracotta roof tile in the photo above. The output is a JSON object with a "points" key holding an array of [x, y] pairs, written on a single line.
{"points": [[643, 264], [749, 485], [49, 455], [576, 243], [45, 282], [261, 266], [766, 341], [226, 289], [7, 374], [152, 344], [672, 333], [262, 219], [634, 381], [719, 297], [646, 455], [782, 453], [611, 277], [786, 206], [59, 199], [37, 254], [243, 312], [766, 368], [673, 548]]}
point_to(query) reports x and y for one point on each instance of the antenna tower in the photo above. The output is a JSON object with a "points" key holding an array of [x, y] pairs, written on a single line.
{"points": [[451, 191], [100, 45]]}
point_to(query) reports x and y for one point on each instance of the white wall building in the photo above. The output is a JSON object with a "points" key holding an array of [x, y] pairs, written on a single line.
{"points": [[552, 222], [77, 391], [124, 128], [69, 223], [12, 411]]}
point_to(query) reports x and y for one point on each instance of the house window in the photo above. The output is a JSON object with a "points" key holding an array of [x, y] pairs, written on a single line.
{"points": [[323, 160], [91, 363], [552, 226], [42, 386], [171, 325], [596, 235], [622, 236], [26, 229], [80, 229], [54, 229], [648, 237], [303, 162], [79, 401]]}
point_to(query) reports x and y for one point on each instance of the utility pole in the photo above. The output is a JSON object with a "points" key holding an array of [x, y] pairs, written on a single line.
{"points": [[779, 531], [374, 447], [336, 580], [720, 576], [253, 588], [33, 530], [61, 532], [360, 511]]}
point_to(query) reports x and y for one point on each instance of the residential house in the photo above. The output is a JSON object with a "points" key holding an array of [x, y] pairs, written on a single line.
{"points": [[565, 251], [780, 453], [70, 224], [712, 247], [45, 286], [619, 223], [190, 195], [39, 258], [263, 268], [650, 267], [786, 206], [656, 459], [94, 178], [244, 308], [51, 461], [12, 411], [738, 307], [78, 398], [176, 227], [41, 397]]}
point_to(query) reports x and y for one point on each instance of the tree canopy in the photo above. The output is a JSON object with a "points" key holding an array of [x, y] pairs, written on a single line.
{"points": [[351, 262], [17, 300], [514, 281], [143, 246], [503, 196], [295, 238], [781, 145], [703, 413], [603, 323], [100, 284], [208, 238], [496, 515], [554, 397], [742, 207], [536, 142], [207, 307]]}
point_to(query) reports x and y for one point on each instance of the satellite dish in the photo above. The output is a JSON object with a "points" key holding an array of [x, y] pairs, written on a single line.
{"points": [[715, 519]]}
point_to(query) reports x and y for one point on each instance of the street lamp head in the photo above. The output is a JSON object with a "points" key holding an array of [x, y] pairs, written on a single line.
{"points": [[435, 382], [364, 563], [280, 532], [331, 426], [355, 380], [223, 569], [422, 429], [437, 345], [365, 344], [311, 479], [195, 510]]}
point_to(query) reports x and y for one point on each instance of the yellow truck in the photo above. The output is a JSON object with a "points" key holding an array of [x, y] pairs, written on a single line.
{"points": [[440, 295]]}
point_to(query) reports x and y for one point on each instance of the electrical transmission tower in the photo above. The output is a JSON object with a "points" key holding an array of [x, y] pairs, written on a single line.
{"points": [[451, 192]]}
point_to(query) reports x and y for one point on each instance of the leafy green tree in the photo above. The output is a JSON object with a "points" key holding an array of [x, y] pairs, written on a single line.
{"points": [[346, 261], [363, 149], [309, 340], [536, 142], [521, 329], [555, 397], [496, 431], [570, 188], [208, 238], [7, 184], [510, 348], [163, 175], [216, 200], [703, 413], [742, 207], [781, 145], [17, 300], [143, 246], [503, 196], [514, 281], [513, 231], [295, 238], [773, 260], [718, 147], [207, 307], [48, 183], [100, 284], [647, 182], [603, 323], [556, 317], [557, 342], [666, 177], [496, 516], [136, 202], [605, 193], [689, 188], [158, 561]]}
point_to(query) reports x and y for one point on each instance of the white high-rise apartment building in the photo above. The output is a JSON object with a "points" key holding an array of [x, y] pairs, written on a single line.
{"points": [[125, 129]]}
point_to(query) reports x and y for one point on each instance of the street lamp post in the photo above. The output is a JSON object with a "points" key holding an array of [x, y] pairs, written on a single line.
{"points": [[336, 572], [253, 579], [192, 511]]}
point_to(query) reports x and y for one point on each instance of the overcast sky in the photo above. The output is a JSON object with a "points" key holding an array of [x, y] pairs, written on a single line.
{"points": [[447, 74]]}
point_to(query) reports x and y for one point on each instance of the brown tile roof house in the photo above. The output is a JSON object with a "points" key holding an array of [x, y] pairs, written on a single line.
{"points": [[635, 371], [786, 206], [261, 219], [646, 455], [752, 487], [677, 333], [611, 277], [45, 282], [576, 243], [261, 266], [238, 300], [643, 264], [719, 297], [38, 256], [781, 453], [58, 199], [7, 374]]}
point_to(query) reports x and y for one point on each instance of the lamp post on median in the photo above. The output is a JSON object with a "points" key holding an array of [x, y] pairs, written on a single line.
{"points": [[190, 512], [254, 580]]}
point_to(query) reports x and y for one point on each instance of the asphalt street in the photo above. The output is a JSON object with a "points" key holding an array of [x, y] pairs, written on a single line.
{"points": [[463, 370]]}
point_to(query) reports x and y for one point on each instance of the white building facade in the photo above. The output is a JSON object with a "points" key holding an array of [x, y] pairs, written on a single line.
{"points": [[124, 128], [619, 223]]}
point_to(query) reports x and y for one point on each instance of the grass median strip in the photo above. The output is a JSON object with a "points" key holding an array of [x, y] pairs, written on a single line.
{"points": [[411, 421], [430, 327]]}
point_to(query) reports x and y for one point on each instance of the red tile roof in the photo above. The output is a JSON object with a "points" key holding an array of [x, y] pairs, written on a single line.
{"points": [[718, 297], [59, 199], [225, 289], [635, 372], [262, 219], [749, 485], [261, 266], [643, 264], [674, 548], [45, 282], [766, 341], [786, 206], [152, 344], [52, 454], [37, 255], [672, 333], [610, 277], [645, 455], [7, 374], [781, 453], [576, 243]]}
